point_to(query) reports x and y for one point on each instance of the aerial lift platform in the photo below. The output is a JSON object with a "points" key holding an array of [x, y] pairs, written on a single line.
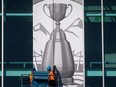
{"points": [[39, 79]]}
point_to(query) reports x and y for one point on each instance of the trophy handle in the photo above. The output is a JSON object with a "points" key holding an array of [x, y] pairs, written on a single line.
{"points": [[45, 5], [70, 10]]}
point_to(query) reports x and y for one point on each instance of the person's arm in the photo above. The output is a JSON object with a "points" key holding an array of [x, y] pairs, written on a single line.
{"points": [[54, 69]]}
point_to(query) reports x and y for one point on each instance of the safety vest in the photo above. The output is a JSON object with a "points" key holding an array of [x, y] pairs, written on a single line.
{"points": [[30, 77], [51, 76]]}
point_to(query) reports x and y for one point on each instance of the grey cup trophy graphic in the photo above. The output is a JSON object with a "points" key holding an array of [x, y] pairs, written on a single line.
{"points": [[57, 11], [58, 50]]}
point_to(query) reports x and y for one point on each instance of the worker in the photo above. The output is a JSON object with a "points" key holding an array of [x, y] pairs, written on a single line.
{"points": [[51, 78], [60, 84], [31, 75]]}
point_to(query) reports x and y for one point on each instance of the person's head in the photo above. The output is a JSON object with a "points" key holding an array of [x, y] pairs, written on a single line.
{"points": [[33, 69], [48, 68]]}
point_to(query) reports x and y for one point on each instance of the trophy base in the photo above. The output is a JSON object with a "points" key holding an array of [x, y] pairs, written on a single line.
{"points": [[68, 81]]}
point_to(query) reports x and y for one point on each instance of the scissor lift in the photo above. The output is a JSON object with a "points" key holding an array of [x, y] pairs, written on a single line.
{"points": [[39, 79]]}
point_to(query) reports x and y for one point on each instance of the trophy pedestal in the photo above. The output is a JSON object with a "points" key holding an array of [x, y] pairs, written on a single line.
{"points": [[58, 52], [68, 81]]}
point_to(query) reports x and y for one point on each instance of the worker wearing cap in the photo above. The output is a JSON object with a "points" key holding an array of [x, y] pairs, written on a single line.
{"points": [[51, 78]]}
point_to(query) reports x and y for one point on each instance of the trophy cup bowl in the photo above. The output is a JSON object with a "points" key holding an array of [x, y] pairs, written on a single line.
{"points": [[57, 11]]}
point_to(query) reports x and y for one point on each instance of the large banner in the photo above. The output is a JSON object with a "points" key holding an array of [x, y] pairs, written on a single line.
{"points": [[58, 38]]}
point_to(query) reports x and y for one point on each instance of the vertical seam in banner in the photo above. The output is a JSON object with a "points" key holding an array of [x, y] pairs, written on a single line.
{"points": [[2, 43], [102, 32], [83, 44], [53, 33]]}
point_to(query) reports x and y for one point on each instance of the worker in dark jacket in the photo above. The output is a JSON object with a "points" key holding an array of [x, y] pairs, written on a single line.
{"points": [[60, 84]]}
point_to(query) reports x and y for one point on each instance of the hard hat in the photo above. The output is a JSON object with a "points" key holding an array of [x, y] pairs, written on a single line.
{"points": [[48, 68]]}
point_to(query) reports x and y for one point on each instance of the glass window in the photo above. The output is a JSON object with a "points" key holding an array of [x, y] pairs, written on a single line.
{"points": [[110, 42], [93, 46], [17, 40]]}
